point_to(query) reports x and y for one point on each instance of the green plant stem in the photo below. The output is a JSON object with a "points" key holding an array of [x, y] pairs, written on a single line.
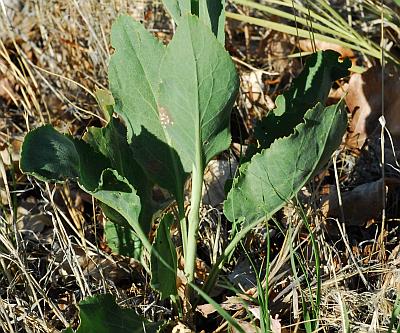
{"points": [[182, 223], [197, 184]]}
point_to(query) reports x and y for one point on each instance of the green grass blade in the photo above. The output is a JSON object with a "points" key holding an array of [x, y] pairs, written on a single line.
{"points": [[301, 33], [329, 27]]}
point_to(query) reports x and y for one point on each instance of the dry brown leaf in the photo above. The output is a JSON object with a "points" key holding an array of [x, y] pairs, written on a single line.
{"points": [[181, 283], [276, 326], [246, 326], [253, 88], [205, 309], [181, 328], [364, 100], [278, 46], [232, 303], [215, 177], [307, 46], [36, 227], [7, 82], [360, 205], [115, 268]]}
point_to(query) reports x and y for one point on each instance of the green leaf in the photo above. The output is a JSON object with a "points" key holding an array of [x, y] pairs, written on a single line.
{"points": [[133, 75], [310, 87], [161, 163], [198, 88], [62, 157], [116, 192], [173, 8], [51, 156], [122, 240], [119, 234], [212, 13], [134, 81], [111, 142], [101, 314], [163, 278], [119, 196], [275, 175], [58, 159], [177, 8]]}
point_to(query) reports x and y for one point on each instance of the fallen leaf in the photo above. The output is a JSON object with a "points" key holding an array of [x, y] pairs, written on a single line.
{"points": [[307, 46], [215, 177], [205, 309], [360, 205], [181, 328], [276, 326], [364, 100], [246, 326], [11, 153], [253, 88], [232, 303], [255, 310]]}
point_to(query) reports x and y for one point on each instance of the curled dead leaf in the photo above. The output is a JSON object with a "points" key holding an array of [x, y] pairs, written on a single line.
{"points": [[363, 203], [307, 46], [364, 100]]}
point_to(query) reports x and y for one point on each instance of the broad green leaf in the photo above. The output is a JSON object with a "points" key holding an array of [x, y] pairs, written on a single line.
{"points": [[173, 8], [198, 87], [275, 175], [212, 13], [134, 81], [51, 156], [163, 278], [194, 7], [312, 86], [111, 142], [133, 76], [161, 163], [113, 215], [101, 314], [58, 159], [120, 235], [62, 157], [122, 240], [177, 8], [116, 192]]}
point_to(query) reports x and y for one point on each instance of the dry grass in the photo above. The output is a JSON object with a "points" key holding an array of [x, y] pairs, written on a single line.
{"points": [[53, 55]]}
